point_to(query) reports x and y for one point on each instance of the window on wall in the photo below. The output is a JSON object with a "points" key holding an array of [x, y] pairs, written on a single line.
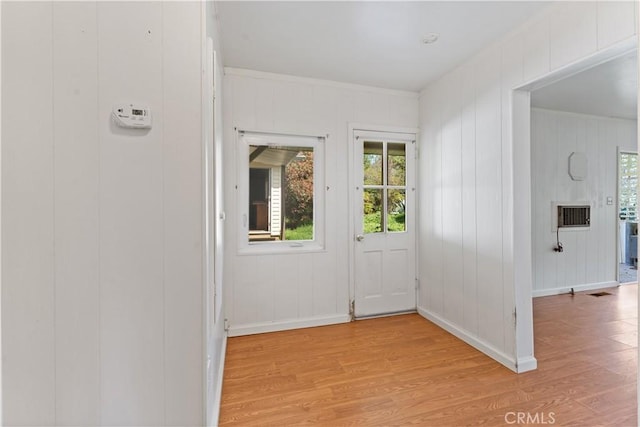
{"points": [[384, 196], [281, 193], [628, 186]]}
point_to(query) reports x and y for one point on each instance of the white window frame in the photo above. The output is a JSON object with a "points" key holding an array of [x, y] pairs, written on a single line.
{"points": [[248, 138]]}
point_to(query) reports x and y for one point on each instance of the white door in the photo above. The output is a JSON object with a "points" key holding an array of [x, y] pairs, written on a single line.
{"points": [[384, 223]]}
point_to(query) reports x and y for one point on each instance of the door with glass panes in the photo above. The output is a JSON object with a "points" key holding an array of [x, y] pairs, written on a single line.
{"points": [[384, 223]]}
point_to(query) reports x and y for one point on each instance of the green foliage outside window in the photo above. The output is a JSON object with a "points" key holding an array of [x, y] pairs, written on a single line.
{"points": [[299, 197], [628, 173]]}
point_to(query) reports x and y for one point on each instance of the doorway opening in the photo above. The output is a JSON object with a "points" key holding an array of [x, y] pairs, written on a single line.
{"points": [[383, 222], [541, 271], [627, 217]]}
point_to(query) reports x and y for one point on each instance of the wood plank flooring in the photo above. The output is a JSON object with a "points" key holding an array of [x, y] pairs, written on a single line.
{"points": [[404, 370]]}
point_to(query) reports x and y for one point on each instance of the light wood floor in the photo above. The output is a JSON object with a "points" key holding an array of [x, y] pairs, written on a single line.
{"points": [[404, 370]]}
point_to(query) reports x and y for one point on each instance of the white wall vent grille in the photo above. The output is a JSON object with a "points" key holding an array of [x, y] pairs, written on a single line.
{"points": [[574, 216]]}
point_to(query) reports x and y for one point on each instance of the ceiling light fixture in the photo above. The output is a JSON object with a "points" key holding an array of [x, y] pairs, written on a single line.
{"points": [[430, 38]]}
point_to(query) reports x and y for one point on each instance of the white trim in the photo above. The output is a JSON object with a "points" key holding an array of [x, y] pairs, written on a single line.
{"points": [[385, 136], [245, 138], [582, 64], [581, 115], [522, 237], [577, 288], [364, 127], [206, 62], [521, 197], [243, 72], [354, 127], [1, 329], [217, 395], [526, 364], [285, 325], [310, 134], [472, 340]]}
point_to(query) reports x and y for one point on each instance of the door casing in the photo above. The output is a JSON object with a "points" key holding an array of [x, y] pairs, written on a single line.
{"points": [[352, 128]]}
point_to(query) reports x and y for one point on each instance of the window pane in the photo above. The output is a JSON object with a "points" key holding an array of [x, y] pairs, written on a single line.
{"points": [[372, 199], [372, 163], [628, 187], [396, 161], [280, 193], [396, 202]]}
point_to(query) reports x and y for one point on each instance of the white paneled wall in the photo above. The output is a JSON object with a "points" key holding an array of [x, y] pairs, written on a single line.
{"points": [[466, 169], [102, 280], [589, 258], [271, 292], [216, 335]]}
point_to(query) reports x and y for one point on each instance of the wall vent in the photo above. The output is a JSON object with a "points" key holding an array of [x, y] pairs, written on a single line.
{"points": [[574, 216]]}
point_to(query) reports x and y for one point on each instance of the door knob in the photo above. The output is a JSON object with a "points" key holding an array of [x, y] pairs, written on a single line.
{"points": [[359, 237]]}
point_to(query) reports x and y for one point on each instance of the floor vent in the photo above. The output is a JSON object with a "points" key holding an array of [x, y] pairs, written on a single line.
{"points": [[600, 294]]}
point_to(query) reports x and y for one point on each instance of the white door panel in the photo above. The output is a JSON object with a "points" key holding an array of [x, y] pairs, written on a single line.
{"points": [[384, 223]]}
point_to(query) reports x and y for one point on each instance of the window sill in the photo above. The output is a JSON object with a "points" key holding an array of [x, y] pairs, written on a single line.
{"points": [[281, 248]]}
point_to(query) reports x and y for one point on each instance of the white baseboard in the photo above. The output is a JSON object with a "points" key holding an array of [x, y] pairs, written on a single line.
{"points": [[473, 341], [285, 325], [217, 396], [526, 364], [213, 411], [577, 288]]}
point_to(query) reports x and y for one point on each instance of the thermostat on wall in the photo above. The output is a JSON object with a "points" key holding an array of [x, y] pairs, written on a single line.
{"points": [[132, 116]]}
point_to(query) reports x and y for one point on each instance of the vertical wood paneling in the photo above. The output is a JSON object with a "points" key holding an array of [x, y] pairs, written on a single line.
{"points": [[512, 75], [105, 326], [344, 107], [489, 209], [305, 290], [566, 140], [1, 245], [76, 159], [28, 258], [535, 43], [426, 178], [285, 295], [616, 21], [182, 213], [580, 193], [229, 193], [564, 33], [326, 289], [253, 296], [589, 256], [285, 107], [549, 190], [452, 206], [264, 101], [132, 289], [573, 32], [435, 267], [469, 223], [592, 260], [244, 107], [290, 287]]}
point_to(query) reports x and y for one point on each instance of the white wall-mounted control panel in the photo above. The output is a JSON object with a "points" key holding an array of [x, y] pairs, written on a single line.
{"points": [[132, 116]]}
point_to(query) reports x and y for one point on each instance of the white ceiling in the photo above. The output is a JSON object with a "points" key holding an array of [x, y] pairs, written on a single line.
{"points": [[609, 90], [371, 43]]}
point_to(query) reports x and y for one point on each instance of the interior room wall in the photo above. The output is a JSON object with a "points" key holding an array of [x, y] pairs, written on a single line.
{"points": [[102, 279], [466, 169], [268, 292], [589, 259]]}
